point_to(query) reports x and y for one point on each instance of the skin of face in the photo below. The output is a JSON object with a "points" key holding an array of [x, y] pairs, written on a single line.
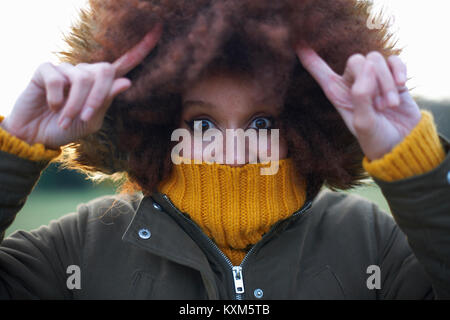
{"points": [[225, 100]]}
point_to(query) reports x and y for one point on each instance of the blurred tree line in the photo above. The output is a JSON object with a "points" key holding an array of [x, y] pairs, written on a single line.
{"points": [[56, 178], [441, 112]]}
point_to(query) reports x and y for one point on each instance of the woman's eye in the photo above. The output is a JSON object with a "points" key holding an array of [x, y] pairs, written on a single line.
{"points": [[200, 124], [262, 123]]}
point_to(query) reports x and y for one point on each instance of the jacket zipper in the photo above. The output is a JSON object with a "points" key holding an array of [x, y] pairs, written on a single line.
{"points": [[236, 271]]}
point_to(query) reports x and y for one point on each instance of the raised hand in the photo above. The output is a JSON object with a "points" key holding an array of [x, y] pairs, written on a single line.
{"points": [[371, 96], [64, 103]]}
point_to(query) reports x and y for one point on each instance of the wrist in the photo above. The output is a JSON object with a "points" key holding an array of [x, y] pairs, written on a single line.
{"points": [[5, 124], [420, 152], [13, 144]]}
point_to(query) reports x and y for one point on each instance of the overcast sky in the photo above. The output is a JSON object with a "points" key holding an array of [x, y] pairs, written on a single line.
{"points": [[31, 30]]}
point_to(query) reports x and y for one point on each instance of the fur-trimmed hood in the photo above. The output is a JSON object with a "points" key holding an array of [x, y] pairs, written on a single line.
{"points": [[195, 33]]}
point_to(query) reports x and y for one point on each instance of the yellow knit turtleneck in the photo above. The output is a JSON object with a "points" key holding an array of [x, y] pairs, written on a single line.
{"points": [[235, 206]]}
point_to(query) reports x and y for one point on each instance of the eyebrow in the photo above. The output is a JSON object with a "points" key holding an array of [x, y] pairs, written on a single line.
{"points": [[189, 103]]}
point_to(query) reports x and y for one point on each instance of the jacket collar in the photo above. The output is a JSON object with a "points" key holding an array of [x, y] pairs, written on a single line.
{"points": [[152, 216], [163, 221]]}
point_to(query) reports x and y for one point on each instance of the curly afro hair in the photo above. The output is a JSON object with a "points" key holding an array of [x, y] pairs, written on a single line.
{"points": [[255, 37]]}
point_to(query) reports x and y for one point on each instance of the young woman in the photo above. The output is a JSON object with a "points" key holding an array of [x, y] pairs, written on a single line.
{"points": [[334, 90]]}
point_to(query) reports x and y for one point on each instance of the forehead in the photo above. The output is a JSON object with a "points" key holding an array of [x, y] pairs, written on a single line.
{"points": [[228, 88]]}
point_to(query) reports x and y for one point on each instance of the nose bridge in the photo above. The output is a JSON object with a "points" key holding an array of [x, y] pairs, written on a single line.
{"points": [[232, 124], [236, 147], [231, 145], [243, 144]]}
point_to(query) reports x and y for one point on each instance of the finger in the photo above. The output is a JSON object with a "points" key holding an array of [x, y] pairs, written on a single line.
{"points": [[379, 101], [81, 85], [134, 56], [385, 79], [316, 66], [54, 83], [355, 65], [398, 69], [104, 77], [363, 92]]}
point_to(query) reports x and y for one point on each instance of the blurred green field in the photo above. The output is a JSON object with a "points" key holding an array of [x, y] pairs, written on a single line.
{"points": [[44, 205]]}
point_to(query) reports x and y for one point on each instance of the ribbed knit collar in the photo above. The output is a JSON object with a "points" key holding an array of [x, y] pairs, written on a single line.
{"points": [[235, 206]]}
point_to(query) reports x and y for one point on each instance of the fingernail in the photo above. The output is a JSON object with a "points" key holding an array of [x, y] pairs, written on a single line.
{"points": [[393, 99], [87, 114], [65, 123]]}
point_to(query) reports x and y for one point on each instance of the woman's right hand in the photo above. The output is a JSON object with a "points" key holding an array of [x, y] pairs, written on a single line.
{"points": [[64, 103]]}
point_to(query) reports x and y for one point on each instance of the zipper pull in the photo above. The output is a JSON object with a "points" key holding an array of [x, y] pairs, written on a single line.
{"points": [[238, 280]]}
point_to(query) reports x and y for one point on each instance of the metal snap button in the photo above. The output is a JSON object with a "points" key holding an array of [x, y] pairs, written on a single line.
{"points": [[144, 234], [258, 293], [156, 206]]}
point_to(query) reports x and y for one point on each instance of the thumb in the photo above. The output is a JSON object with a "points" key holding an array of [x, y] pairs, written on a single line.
{"points": [[119, 85]]}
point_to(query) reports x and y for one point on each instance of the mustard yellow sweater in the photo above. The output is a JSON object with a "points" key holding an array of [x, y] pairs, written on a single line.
{"points": [[237, 206]]}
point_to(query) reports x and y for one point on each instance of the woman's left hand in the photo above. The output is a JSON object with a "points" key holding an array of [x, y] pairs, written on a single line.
{"points": [[371, 96]]}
